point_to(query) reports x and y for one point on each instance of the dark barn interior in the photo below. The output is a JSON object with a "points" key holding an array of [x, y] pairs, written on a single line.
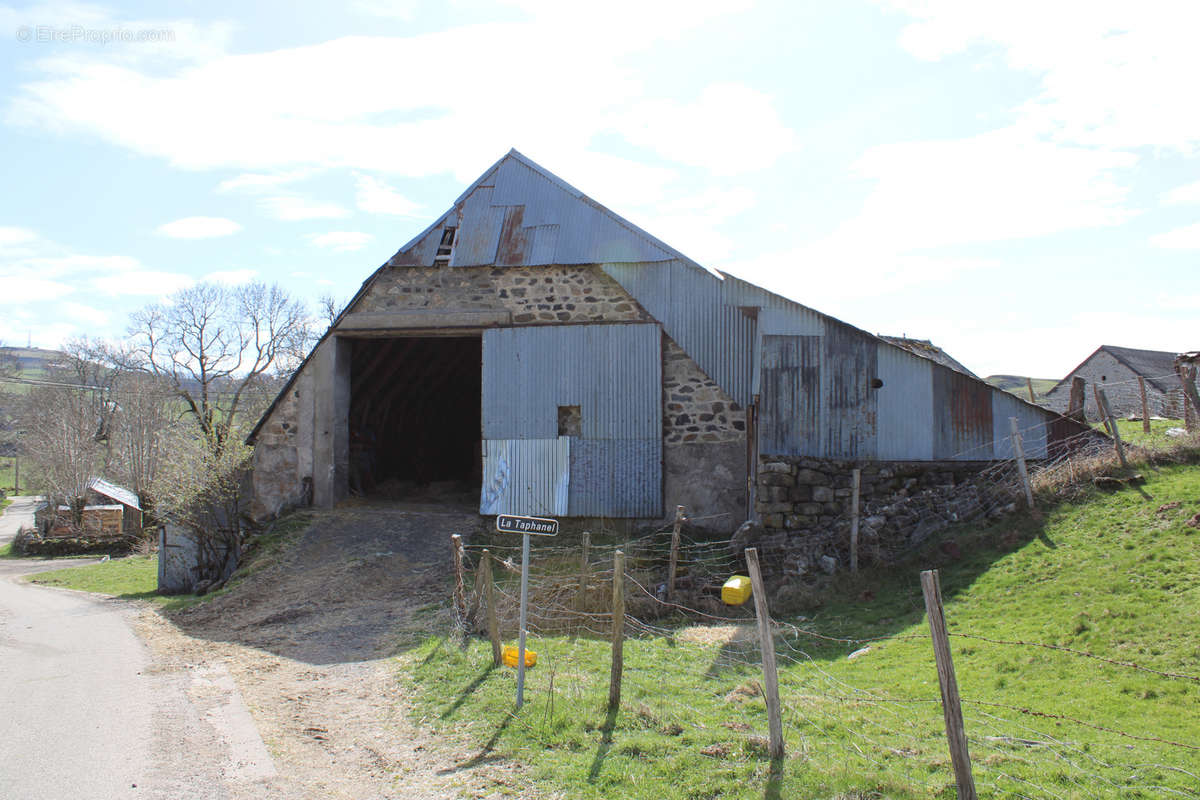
{"points": [[415, 410]]}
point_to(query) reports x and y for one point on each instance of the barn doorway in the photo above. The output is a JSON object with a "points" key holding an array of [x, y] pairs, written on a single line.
{"points": [[415, 408]]}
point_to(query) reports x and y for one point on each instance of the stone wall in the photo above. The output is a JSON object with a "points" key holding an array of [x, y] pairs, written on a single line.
{"points": [[534, 295], [1120, 385], [695, 408], [804, 508]]}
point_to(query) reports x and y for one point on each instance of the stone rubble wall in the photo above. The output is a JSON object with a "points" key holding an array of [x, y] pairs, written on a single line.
{"points": [[695, 408], [804, 507]]}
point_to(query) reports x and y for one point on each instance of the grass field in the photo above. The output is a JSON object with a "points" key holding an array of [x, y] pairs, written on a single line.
{"points": [[1016, 385], [128, 578], [1133, 432], [1114, 577], [7, 475]]}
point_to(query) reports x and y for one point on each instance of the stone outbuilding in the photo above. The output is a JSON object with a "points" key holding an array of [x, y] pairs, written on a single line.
{"points": [[1116, 370], [556, 360], [109, 511]]}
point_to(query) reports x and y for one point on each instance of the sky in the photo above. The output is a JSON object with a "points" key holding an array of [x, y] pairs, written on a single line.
{"points": [[1018, 182]]}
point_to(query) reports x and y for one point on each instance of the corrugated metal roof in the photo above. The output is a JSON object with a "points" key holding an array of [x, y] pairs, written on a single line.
{"points": [[118, 493]]}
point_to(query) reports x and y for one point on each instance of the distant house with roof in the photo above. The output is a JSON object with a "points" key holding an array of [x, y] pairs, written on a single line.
{"points": [[1116, 370], [109, 511]]}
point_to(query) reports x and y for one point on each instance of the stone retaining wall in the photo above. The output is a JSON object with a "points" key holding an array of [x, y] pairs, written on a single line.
{"points": [[804, 507]]}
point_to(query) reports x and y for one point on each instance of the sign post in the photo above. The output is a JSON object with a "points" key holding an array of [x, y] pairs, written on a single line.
{"points": [[537, 526]]}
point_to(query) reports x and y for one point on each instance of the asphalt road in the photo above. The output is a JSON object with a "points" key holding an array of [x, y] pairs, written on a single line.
{"points": [[85, 712]]}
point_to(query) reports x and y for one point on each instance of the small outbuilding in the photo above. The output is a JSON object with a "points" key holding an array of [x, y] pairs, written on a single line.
{"points": [[109, 511]]}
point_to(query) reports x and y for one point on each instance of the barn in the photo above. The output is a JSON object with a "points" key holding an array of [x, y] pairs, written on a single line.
{"points": [[555, 359], [1117, 370]]}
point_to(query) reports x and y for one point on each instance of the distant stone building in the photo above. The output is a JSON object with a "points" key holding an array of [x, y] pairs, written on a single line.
{"points": [[1116, 370], [111, 511]]}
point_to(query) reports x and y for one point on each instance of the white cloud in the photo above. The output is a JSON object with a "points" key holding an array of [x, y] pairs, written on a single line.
{"points": [[142, 283], [11, 236], [199, 228], [21, 289], [79, 312], [1185, 238], [292, 208], [376, 197], [257, 182], [404, 10], [729, 130], [232, 277], [1113, 74], [1188, 194], [1005, 184], [339, 241]]}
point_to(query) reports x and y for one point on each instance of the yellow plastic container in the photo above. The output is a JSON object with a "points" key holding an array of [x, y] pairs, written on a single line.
{"points": [[509, 657], [736, 590]]}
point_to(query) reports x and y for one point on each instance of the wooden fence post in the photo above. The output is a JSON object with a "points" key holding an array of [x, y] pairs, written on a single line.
{"points": [[1112, 424], [618, 631], [855, 491], [489, 592], [460, 593], [1029, 385], [767, 643], [16, 474], [1187, 376], [956, 733], [1019, 453], [1145, 405], [674, 554], [1078, 400], [1100, 408]]}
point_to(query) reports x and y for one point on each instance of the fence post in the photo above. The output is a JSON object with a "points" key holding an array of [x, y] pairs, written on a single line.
{"points": [[618, 631], [855, 490], [1145, 405], [674, 554], [489, 592], [1019, 452], [1187, 376], [16, 474], [1100, 408], [1112, 424], [956, 733], [767, 643], [460, 594], [1029, 384], [1078, 400]]}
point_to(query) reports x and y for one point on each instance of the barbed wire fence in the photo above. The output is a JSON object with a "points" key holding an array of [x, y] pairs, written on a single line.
{"points": [[694, 666]]}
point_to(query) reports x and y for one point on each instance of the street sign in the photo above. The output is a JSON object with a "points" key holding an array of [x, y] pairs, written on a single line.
{"points": [[538, 526]]}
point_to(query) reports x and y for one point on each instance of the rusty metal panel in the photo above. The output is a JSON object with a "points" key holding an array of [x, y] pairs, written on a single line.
{"points": [[790, 405], [1031, 421], [478, 230], [514, 240], [962, 416], [526, 476], [847, 400], [615, 478], [904, 431]]}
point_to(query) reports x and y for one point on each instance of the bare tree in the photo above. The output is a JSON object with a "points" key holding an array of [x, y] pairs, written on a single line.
{"points": [[217, 345], [67, 428], [330, 307]]}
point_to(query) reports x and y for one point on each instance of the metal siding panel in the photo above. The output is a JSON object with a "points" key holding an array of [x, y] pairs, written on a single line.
{"points": [[478, 230], [545, 240], [848, 408], [526, 476], [790, 400], [614, 373], [962, 416], [615, 478], [905, 406], [1032, 422]]}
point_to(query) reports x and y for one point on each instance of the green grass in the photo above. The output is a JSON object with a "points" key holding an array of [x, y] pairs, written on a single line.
{"points": [[7, 474], [1114, 577], [1016, 384], [1133, 432], [5, 503], [128, 578]]}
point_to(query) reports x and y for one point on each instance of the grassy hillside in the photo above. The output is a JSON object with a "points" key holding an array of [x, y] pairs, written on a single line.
{"points": [[1016, 384], [1076, 641]]}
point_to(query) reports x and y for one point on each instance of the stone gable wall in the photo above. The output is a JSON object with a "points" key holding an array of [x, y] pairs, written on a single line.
{"points": [[1120, 385]]}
